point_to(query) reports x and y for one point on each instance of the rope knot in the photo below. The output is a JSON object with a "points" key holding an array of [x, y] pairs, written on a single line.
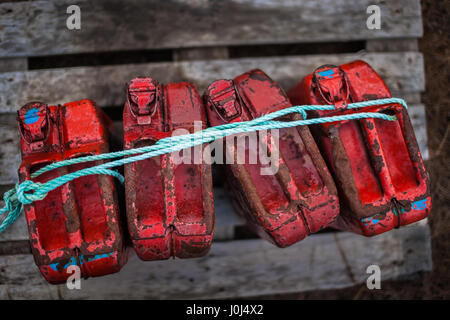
{"points": [[15, 199], [26, 186]]}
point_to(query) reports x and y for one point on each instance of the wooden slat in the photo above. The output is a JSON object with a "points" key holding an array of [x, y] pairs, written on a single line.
{"points": [[418, 120], [240, 269], [13, 64], [39, 27], [15, 247], [402, 71], [200, 53], [392, 45], [16, 232], [9, 149]]}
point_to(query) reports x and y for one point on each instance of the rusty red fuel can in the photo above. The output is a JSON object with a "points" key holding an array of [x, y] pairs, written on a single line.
{"points": [[298, 197], [376, 163], [170, 206], [79, 222]]}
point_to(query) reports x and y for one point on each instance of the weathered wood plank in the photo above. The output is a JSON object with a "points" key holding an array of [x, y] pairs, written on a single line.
{"points": [[419, 122], [39, 27], [18, 231], [200, 53], [402, 71], [13, 64], [391, 45], [15, 247], [9, 149], [240, 269]]}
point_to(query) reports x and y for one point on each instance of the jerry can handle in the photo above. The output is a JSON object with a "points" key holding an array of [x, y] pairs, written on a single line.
{"points": [[144, 116], [219, 110], [38, 143], [341, 104]]}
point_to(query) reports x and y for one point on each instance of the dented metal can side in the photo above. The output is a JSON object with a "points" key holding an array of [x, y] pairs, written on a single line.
{"points": [[60, 231], [300, 197], [170, 209]]}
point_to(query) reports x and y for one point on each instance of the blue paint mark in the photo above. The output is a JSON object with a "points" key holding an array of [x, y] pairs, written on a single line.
{"points": [[369, 220], [53, 266], [73, 261], [420, 204], [327, 73], [100, 256], [31, 116]]}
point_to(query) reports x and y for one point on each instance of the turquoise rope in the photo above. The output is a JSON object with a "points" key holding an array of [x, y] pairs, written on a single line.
{"points": [[21, 194]]}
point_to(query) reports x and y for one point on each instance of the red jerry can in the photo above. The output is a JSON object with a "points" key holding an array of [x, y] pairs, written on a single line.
{"points": [[299, 196], [170, 206], [79, 222], [376, 163]]}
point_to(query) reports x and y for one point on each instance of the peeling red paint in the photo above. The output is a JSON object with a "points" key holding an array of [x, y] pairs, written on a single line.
{"points": [[300, 198], [170, 207], [376, 163], [81, 218]]}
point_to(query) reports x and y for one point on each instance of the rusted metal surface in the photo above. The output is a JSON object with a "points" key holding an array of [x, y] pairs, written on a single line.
{"points": [[170, 207], [79, 222], [300, 198], [376, 164]]}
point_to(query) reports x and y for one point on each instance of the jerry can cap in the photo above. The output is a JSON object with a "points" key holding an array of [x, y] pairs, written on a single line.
{"points": [[332, 84], [143, 98], [34, 123], [225, 99]]}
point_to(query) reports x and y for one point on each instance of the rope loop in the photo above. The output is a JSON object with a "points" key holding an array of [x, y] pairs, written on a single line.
{"points": [[23, 188]]}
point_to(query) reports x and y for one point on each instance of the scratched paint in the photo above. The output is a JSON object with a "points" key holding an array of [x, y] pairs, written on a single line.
{"points": [[79, 220], [300, 198], [80, 261], [376, 164], [170, 210]]}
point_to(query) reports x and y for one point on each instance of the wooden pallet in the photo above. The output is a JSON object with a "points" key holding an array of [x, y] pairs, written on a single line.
{"points": [[201, 41]]}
